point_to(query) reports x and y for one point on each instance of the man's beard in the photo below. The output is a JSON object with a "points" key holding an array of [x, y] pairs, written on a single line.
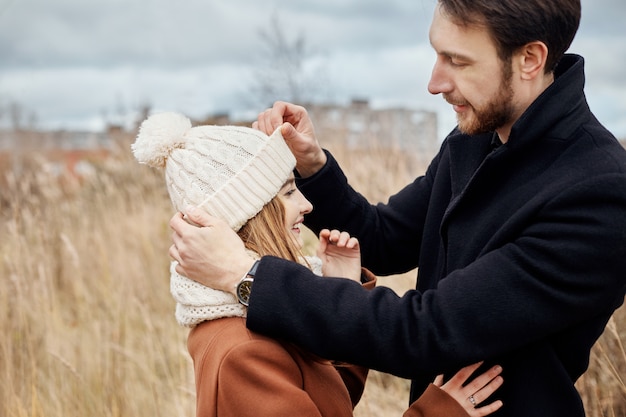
{"points": [[495, 114]]}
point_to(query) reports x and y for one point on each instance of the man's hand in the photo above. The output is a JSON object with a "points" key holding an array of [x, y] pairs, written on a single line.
{"points": [[340, 255], [209, 252], [297, 129]]}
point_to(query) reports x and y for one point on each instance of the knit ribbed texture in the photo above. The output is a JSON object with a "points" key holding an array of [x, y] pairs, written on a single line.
{"points": [[196, 303], [231, 172]]}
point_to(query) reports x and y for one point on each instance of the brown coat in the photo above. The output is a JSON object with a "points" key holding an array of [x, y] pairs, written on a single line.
{"points": [[239, 373], [435, 402]]}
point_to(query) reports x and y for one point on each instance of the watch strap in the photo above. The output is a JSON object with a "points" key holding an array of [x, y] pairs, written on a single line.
{"points": [[244, 288]]}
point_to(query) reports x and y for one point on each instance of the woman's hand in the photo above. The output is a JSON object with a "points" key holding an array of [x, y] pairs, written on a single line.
{"points": [[340, 254], [476, 391]]}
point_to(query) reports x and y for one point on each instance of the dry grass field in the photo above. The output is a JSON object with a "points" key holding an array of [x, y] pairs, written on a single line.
{"points": [[88, 326]]}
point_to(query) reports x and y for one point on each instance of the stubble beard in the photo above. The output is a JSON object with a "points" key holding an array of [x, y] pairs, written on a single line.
{"points": [[496, 113]]}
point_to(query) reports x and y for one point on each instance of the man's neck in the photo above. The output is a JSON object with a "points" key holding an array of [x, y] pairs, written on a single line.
{"points": [[505, 130]]}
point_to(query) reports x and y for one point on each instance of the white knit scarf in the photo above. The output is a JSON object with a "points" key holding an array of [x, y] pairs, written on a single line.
{"points": [[196, 303]]}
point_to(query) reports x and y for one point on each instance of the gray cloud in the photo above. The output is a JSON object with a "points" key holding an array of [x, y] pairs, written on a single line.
{"points": [[78, 60], [70, 33]]}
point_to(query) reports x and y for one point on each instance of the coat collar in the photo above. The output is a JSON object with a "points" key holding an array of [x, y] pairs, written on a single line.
{"points": [[559, 110], [555, 114]]}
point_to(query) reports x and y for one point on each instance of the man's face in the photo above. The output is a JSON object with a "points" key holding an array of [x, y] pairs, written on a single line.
{"points": [[471, 77]]}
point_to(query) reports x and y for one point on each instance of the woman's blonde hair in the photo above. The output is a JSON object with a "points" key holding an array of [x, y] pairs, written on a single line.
{"points": [[266, 233]]}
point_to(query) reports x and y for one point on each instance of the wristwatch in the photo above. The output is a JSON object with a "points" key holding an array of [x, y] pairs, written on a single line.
{"points": [[244, 288]]}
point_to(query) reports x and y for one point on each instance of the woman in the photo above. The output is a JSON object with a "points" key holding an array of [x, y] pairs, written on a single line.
{"points": [[246, 178]]}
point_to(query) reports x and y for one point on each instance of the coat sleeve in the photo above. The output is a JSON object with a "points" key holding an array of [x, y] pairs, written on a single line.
{"points": [[435, 402], [261, 379], [392, 235], [353, 376], [563, 269]]}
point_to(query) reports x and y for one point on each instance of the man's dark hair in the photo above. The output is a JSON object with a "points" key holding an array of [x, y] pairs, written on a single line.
{"points": [[514, 23]]}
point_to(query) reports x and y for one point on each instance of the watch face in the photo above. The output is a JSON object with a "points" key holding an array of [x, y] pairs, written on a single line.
{"points": [[243, 291]]}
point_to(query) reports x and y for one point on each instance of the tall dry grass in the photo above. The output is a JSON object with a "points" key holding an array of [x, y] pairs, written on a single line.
{"points": [[88, 326]]}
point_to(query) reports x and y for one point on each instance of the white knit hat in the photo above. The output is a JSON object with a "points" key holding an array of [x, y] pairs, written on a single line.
{"points": [[229, 171]]}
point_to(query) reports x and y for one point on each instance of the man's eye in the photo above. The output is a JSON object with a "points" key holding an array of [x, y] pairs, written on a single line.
{"points": [[456, 63]]}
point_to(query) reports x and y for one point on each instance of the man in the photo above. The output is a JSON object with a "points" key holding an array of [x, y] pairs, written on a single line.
{"points": [[518, 227]]}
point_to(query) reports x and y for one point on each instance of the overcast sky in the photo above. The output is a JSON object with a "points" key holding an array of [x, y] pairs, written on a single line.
{"points": [[79, 63]]}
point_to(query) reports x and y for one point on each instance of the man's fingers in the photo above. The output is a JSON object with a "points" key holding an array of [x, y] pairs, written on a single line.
{"points": [[276, 115], [177, 221], [263, 122], [288, 132], [271, 119], [199, 217], [173, 252], [180, 270]]}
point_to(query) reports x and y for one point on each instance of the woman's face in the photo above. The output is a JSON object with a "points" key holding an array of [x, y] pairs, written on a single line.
{"points": [[296, 206]]}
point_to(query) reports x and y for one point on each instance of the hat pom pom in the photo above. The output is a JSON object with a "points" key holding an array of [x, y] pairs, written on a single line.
{"points": [[158, 136]]}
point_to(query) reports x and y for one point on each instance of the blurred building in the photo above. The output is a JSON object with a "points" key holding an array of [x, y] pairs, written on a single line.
{"points": [[35, 140], [360, 126], [59, 152]]}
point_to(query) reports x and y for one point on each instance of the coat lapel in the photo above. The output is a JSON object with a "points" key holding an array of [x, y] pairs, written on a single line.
{"points": [[466, 155]]}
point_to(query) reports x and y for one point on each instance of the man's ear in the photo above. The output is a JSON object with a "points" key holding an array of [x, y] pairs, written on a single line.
{"points": [[531, 60]]}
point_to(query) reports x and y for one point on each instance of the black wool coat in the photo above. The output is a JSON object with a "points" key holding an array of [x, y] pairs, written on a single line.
{"points": [[521, 253]]}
